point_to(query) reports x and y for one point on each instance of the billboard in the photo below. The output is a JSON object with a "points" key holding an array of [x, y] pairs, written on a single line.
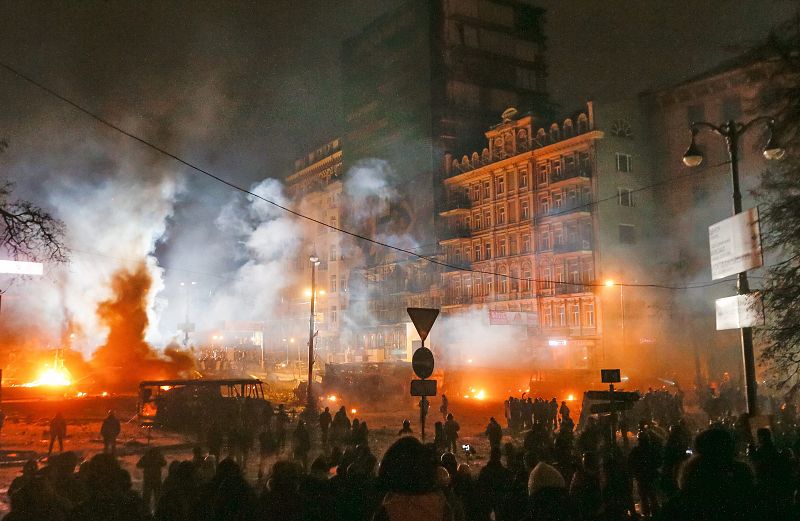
{"points": [[735, 244], [513, 318]]}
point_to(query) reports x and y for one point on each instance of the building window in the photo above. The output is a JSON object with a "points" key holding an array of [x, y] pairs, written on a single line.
{"points": [[562, 315], [589, 306], [583, 161], [526, 243], [477, 221], [625, 197], [486, 189], [487, 218], [526, 275], [542, 173], [548, 315], [623, 162], [555, 169], [332, 223], [576, 315], [500, 184], [334, 318], [544, 241], [476, 192], [545, 205], [501, 215], [502, 283], [332, 253], [523, 179], [524, 210], [501, 250], [487, 251], [333, 284], [468, 222], [627, 234], [477, 252], [512, 245], [344, 284]]}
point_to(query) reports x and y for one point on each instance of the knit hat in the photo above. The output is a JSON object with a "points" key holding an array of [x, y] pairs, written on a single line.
{"points": [[544, 475]]}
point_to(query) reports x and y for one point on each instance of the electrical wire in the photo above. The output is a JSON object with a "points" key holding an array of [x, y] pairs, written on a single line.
{"points": [[355, 235]]}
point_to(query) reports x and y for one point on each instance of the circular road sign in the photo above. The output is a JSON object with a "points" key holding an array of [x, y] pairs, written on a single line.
{"points": [[422, 362]]}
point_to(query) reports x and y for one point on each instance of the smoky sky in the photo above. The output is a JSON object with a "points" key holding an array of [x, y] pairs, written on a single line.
{"points": [[244, 88]]}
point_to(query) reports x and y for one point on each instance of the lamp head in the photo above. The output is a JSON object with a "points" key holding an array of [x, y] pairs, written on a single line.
{"points": [[773, 151], [313, 259], [693, 156]]}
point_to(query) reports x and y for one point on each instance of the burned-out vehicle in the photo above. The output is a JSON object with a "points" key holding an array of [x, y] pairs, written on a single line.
{"points": [[192, 405], [369, 382]]}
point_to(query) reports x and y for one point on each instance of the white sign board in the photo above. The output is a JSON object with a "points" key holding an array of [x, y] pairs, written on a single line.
{"points": [[739, 311], [21, 268], [735, 244]]}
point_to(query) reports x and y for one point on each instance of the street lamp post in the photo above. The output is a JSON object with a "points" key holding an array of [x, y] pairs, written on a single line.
{"points": [[314, 260], [731, 131], [188, 287]]}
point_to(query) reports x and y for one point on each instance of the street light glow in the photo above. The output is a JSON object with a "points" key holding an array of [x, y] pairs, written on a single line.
{"points": [[609, 282]]}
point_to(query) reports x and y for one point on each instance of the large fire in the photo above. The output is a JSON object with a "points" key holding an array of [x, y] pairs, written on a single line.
{"points": [[51, 377]]}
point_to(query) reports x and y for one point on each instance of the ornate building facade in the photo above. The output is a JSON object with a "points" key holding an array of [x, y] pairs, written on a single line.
{"points": [[538, 221]]}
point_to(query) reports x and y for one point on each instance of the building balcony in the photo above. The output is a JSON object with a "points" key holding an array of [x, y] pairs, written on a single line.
{"points": [[572, 173], [451, 233], [578, 206], [456, 203], [570, 289], [458, 266], [572, 246], [456, 300]]}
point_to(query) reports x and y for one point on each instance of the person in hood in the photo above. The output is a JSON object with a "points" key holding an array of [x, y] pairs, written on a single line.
{"points": [[408, 478]]}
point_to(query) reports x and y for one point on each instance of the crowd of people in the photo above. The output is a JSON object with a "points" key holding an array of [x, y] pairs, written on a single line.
{"points": [[544, 469]]}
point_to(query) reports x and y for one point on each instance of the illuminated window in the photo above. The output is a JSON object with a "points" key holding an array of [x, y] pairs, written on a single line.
{"points": [[501, 248], [524, 211], [344, 284], [487, 218], [542, 170], [476, 192], [486, 192], [526, 243], [332, 253]]}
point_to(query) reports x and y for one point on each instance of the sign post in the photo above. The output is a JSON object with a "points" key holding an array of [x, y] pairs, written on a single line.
{"points": [[422, 362]]}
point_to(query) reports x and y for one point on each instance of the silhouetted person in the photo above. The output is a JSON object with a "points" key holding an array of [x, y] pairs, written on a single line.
{"points": [[109, 432], [644, 462], [584, 489], [406, 430], [714, 486], [267, 447], [281, 501], [58, 431], [494, 432], [444, 407], [28, 474], [180, 496], [408, 478], [548, 496], [451, 428], [774, 478], [325, 421], [215, 438], [340, 425], [494, 481], [281, 420], [301, 441], [564, 411], [151, 464]]}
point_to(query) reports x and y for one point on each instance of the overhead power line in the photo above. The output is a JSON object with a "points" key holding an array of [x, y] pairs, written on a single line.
{"points": [[355, 235]]}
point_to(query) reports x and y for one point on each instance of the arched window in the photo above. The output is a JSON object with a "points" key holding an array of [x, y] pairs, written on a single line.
{"points": [[555, 134], [514, 279], [583, 124], [526, 274], [568, 132], [502, 280]]}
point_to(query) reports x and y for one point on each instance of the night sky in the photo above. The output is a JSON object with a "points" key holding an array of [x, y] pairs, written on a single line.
{"points": [[272, 67]]}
